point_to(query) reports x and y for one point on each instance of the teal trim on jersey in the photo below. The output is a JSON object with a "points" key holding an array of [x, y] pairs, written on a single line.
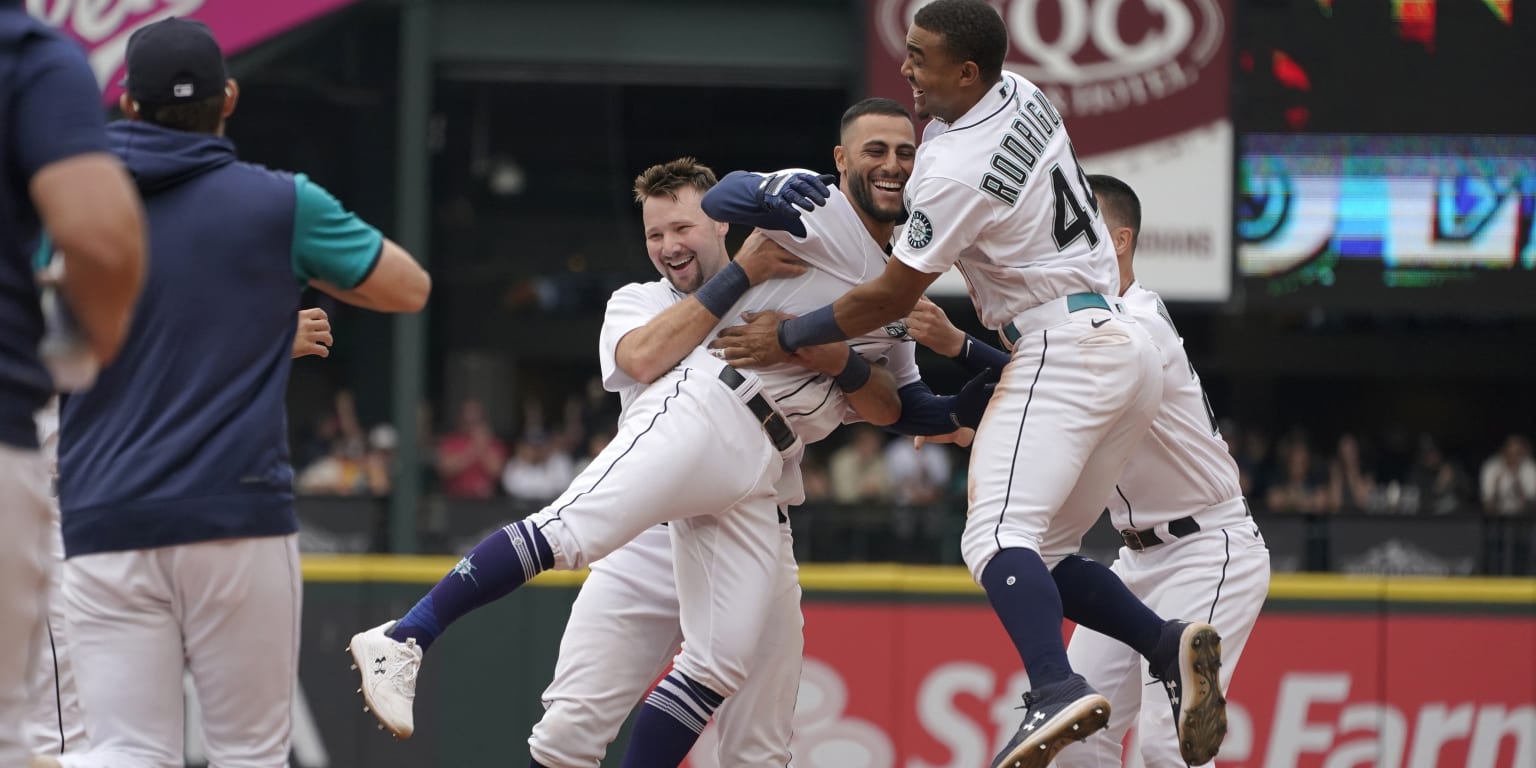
{"points": [[44, 255], [330, 243]]}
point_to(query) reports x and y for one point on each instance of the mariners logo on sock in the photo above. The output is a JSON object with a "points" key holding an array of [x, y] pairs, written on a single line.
{"points": [[466, 568], [919, 230]]}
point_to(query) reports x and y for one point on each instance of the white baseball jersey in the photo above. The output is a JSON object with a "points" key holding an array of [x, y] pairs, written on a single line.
{"points": [[1183, 466], [976, 187]]}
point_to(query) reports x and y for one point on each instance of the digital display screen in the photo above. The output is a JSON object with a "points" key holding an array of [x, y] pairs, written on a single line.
{"points": [[1398, 223]]}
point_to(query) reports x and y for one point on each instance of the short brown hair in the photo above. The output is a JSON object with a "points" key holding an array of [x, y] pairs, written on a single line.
{"points": [[669, 177], [201, 116]]}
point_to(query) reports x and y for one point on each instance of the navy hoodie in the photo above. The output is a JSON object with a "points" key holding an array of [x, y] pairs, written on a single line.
{"points": [[184, 437]]}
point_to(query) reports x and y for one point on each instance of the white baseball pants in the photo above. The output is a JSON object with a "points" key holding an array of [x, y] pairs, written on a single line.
{"points": [[56, 724], [227, 611], [688, 451], [1217, 576], [23, 590], [1079, 394], [623, 631]]}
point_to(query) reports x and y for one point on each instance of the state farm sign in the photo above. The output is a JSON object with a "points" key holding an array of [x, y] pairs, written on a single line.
{"points": [[937, 686]]}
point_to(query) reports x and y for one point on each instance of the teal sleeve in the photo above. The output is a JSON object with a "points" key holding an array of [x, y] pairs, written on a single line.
{"points": [[44, 255], [330, 243]]}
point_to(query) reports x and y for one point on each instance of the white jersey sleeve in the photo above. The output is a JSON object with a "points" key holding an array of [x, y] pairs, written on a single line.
{"points": [[629, 308], [946, 218]]}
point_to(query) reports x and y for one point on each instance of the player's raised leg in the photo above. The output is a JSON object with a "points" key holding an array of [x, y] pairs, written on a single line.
{"points": [[622, 633], [1080, 391], [650, 473]]}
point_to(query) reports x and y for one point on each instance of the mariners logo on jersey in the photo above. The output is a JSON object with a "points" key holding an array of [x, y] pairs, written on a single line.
{"points": [[919, 230]]}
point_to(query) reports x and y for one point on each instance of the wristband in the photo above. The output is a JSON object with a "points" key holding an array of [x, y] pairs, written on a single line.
{"points": [[855, 374], [818, 327], [723, 290]]}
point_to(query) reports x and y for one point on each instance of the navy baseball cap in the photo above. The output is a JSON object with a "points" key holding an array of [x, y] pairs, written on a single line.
{"points": [[174, 61]]}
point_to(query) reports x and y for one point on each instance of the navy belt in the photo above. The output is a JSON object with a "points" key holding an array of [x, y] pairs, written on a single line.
{"points": [[1142, 540], [774, 425], [1075, 302]]}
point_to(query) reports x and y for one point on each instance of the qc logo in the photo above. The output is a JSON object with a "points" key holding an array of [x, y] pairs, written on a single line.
{"points": [[919, 230]]}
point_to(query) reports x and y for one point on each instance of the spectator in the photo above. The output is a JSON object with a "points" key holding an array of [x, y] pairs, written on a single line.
{"points": [[379, 463], [1351, 484], [917, 477], [1300, 489], [469, 460], [539, 471], [1437, 486], [1251, 451], [338, 473], [1509, 479], [858, 468]]}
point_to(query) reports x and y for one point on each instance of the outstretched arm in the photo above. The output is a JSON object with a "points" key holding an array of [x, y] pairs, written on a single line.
{"points": [[768, 201]]}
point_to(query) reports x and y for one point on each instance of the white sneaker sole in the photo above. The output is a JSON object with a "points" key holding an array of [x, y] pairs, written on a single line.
{"points": [[360, 665], [1076, 722]]}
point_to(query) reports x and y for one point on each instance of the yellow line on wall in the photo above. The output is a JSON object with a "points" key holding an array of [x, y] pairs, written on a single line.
{"points": [[954, 580]]}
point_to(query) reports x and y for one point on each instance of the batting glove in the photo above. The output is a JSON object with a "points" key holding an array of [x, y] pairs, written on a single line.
{"points": [[784, 192], [971, 402]]}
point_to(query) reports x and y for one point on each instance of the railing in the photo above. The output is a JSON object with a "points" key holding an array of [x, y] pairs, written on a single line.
{"points": [[829, 533]]}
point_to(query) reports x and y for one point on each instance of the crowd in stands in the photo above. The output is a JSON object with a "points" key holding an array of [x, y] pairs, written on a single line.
{"points": [[866, 466]]}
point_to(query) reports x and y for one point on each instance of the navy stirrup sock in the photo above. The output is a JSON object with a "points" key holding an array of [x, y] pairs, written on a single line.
{"points": [[670, 722], [1093, 596], [1024, 598], [500, 563]]}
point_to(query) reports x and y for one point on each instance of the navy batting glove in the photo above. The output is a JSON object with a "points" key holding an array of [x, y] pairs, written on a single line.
{"points": [[971, 402], [784, 192]]}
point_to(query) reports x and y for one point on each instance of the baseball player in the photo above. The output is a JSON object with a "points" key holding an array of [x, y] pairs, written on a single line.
{"points": [[679, 423], [55, 172], [56, 725], [1192, 550], [623, 627], [174, 484], [997, 190]]}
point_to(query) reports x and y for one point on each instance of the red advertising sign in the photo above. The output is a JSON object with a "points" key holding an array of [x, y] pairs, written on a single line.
{"points": [[936, 686], [1144, 86], [104, 26]]}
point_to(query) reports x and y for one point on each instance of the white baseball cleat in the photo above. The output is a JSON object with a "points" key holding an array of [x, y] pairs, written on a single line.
{"points": [[388, 669]]}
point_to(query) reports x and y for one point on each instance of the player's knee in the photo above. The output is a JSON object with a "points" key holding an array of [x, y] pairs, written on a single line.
{"points": [[565, 737]]}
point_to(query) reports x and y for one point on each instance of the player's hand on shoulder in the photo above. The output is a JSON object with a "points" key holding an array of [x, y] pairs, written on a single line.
{"points": [[763, 259], [930, 327], [314, 334], [786, 191], [753, 345]]}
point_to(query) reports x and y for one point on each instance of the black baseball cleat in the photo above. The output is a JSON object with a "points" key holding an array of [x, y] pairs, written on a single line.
{"points": [[1055, 715], [1192, 680]]}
